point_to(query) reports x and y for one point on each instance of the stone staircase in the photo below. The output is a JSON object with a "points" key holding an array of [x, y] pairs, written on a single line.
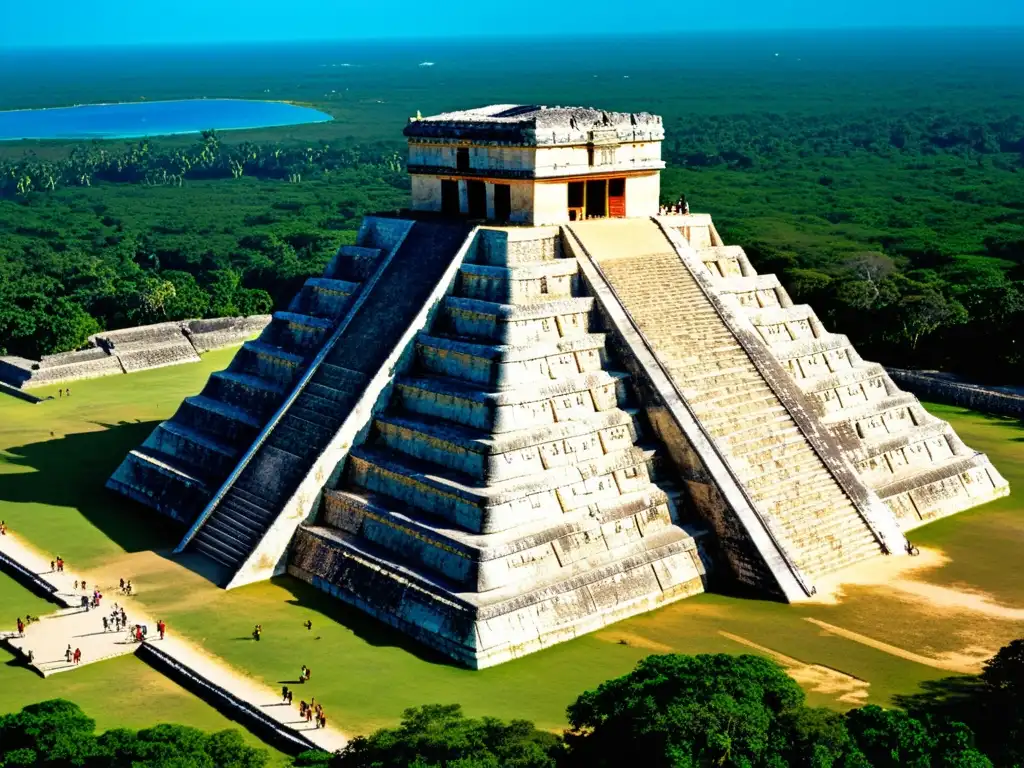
{"points": [[505, 499], [914, 461], [814, 523], [263, 486], [186, 459]]}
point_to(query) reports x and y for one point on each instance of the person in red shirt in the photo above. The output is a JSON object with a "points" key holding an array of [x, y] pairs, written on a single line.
{"points": [[161, 628], [138, 633], [78, 655], [21, 627]]}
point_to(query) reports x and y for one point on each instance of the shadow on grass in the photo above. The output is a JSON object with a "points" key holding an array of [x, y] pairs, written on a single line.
{"points": [[371, 630], [955, 698], [70, 471]]}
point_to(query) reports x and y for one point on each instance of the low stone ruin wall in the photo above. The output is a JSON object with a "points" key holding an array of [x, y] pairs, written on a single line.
{"points": [[283, 738], [206, 335], [132, 349], [973, 396]]}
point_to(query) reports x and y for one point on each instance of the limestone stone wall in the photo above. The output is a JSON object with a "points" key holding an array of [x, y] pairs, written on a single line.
{"points": [[184, 462], [500, 502], [782, 489], [915, 463], [132, 349], [973, 396], [643, 195]]}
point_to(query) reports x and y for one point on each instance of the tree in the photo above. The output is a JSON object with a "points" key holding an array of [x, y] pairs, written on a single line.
{"points": [[891, 738], [679, 710], [57, 733], [54, 731], [189, 300], [924, 311], [1003, 704], [818, 738], [440, 736]]}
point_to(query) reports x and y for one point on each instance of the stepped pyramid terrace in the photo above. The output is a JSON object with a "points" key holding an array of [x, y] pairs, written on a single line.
{"points": [[531, 406]]}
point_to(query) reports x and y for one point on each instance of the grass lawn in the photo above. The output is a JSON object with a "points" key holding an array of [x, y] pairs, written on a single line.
{"points": [[964, 606]]}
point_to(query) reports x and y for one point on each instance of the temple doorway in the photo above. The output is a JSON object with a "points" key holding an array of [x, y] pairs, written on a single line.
{"points": [[502, 202], [597, 199], [449, 197], [476, 194]]}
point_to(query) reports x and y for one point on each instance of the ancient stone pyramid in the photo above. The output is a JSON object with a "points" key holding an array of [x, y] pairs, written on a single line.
{"points": [[495, 438]]}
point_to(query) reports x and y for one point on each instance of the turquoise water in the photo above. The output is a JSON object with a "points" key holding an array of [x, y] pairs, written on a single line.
{"points": [[157, 118]]}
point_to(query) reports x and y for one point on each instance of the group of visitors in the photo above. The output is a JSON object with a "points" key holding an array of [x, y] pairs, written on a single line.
{"points": [[64, 392], [679, 207], [3, 527], [312, 712], [126, 587], [74, 656], [257, 632], [117, 619], [57, 566]]}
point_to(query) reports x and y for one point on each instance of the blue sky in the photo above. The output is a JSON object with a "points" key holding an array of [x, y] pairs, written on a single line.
{"points": [[32, 23]]}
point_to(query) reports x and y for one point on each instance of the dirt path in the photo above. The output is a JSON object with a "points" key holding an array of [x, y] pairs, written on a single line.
{"points": [[968, 662], [817, 678], [48, 639]]}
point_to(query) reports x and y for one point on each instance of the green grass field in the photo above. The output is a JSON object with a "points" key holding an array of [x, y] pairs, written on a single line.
{"points": [[55, 457]]}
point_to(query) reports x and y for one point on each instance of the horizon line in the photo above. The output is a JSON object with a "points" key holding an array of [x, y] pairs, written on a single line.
{"points": [[688, 32]]}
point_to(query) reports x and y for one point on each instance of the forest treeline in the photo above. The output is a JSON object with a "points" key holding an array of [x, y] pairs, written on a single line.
{"points": [[903, 229], [150, 163], [671, 711]]}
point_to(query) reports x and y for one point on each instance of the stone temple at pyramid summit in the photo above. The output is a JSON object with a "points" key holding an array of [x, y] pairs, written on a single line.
{"points": [[532, 405]]}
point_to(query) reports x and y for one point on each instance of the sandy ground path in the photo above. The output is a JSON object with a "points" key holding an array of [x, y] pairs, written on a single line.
{"points": [[48, 639]]}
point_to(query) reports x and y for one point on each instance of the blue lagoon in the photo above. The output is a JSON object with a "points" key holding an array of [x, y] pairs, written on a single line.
{"points": [[156, 118]]}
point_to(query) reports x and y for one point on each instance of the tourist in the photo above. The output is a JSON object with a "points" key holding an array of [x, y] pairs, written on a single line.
{"points": [[302, 674], [76, 584], [106, 624], [60, 563], [21, 627], [686, 208], [78, 655], [284, 694], [161, 628], [323, 718], [302, 709], [122, 585], [60, 393], [128, 587], [138, 633], [256, 632], [53, 566], [308, 625], [3, 527], [291, 695], [308, 672], [309, 714], [68, 654], [83, 580], [124, 617], [85, 603]]}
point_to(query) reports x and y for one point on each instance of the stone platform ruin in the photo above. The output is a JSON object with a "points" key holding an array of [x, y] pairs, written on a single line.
{"points": [[132, 349], [533, 406]]}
